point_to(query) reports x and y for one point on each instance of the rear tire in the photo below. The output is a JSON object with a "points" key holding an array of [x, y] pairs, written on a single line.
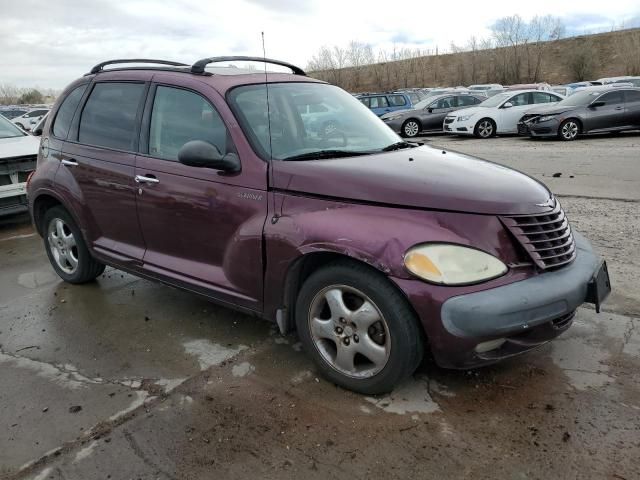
{"points": [[569, 130], [66, 248], [485, 128], [358, 329]]}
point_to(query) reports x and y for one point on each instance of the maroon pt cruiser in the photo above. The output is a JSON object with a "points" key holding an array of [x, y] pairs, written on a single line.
{"points": [[286, 198]]}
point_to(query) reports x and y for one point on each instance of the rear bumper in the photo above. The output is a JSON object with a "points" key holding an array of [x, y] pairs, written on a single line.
{"points": [[526, 314]]}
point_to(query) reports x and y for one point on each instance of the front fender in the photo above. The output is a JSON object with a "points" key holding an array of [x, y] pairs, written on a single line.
{"points": [[376, 235]]}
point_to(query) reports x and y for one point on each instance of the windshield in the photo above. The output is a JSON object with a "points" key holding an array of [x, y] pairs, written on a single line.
{"points": [[8, 129], [495, 100], [580, 99], [308, 119]]}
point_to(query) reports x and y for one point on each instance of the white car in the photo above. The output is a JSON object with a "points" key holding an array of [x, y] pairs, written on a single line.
{"points": [[30, 119], [498, 114], [18, 151], [483, 87]]}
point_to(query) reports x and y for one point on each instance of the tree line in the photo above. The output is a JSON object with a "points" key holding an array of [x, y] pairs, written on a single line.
{"points": [[12, 95], [514, 52]]}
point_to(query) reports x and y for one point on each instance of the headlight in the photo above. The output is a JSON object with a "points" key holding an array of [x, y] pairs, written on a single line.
{"points": [[464, 118], [545, 118], [449, 264]]}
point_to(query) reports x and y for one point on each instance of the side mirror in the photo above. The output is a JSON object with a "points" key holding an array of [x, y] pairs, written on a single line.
{"points": [[598, 103], [37, 132], [507, 105], [430, 110], [198, 153]]}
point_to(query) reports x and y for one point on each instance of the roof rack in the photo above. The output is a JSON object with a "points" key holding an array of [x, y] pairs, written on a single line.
{"points": [[100, 67], [199, 66]]}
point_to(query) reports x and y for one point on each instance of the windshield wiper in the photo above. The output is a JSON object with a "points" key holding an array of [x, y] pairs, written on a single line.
{"points": [[398, 146], [325, 154]]}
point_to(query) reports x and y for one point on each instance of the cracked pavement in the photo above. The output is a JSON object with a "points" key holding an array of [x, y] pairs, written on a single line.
{"points": [[170, 386]]}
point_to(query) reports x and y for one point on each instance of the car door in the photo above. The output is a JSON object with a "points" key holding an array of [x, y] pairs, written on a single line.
{"points": [[202, 228], [609, 115], [436, 111], [507, 121], [98, 162], [632, 108]]}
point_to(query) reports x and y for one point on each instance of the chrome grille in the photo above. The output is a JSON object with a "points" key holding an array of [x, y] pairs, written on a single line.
{"points": [[546, 237]]}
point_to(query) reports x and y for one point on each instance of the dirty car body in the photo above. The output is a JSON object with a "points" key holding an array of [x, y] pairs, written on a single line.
{"points": [[372, 248]]}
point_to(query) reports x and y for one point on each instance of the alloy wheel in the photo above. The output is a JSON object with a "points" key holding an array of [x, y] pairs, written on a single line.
{"points": [[63, 245], [349, 331], [485, 128], [411, 128], [569, 130]]}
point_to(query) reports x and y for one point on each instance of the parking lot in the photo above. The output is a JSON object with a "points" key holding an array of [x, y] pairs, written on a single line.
{"points": [[126, 378]]}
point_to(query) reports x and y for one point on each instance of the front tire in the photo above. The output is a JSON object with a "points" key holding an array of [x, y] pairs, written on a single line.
{"points": [[358, 329], [569, 130], [411, 128], [66, 248], [485, 128]]}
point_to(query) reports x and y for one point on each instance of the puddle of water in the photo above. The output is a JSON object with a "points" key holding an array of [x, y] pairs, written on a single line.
{"points": [[242, 370], [411, 397], [36, 279], [209, 353], [581, 362], [85, 452]]}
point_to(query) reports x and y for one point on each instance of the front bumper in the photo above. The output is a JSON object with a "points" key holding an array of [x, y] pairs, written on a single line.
{"points": [[456, 127], [527, 313], [540, 129], [394, 124]]}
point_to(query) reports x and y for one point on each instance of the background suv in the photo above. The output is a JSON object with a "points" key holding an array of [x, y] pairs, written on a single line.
{"points": [[381, 103]]}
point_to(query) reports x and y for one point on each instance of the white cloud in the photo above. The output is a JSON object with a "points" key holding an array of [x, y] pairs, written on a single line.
{"points": [[51, 43]]}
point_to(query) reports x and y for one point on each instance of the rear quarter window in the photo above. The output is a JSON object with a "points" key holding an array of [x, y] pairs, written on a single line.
{"points": [[109, 116], [66, 111], [397, 100]]}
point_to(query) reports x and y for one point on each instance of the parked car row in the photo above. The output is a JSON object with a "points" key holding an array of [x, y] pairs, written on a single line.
{"points": [[24, 117]]}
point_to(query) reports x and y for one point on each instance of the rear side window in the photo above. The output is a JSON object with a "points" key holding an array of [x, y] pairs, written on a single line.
{"points": [[467, 100], [397, 100], [611, 98], [378, 102], [632, 96], [179, 116], [109, 116], [65, 113], [364, 101]]}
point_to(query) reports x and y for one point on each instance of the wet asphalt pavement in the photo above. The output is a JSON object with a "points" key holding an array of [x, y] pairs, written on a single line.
{"points": [[125, 378]]}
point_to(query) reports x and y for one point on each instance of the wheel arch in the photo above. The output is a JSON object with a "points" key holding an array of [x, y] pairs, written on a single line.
{"points": [[308, 263]]}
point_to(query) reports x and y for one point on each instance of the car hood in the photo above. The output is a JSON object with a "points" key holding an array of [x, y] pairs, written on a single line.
{"points": [[421, 177], [467, 111], [18, 146], [550, 109]]}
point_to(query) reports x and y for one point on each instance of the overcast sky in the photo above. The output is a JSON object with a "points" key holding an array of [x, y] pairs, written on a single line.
{"points": [[49, 43]]}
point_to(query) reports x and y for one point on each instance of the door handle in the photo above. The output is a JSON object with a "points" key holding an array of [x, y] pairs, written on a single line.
{"points": [[146, 179], [69, 162], [618, 108]]}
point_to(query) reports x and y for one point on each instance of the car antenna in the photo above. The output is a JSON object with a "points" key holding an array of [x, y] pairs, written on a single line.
{"points": [[275, 217]]}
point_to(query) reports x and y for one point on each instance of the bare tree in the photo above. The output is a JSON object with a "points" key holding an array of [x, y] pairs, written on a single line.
{"points": [[630, 51], [580, 59], [9, 94]]}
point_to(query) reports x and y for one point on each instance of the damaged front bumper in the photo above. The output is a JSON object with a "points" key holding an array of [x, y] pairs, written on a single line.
{"points": [[468, 330]]}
